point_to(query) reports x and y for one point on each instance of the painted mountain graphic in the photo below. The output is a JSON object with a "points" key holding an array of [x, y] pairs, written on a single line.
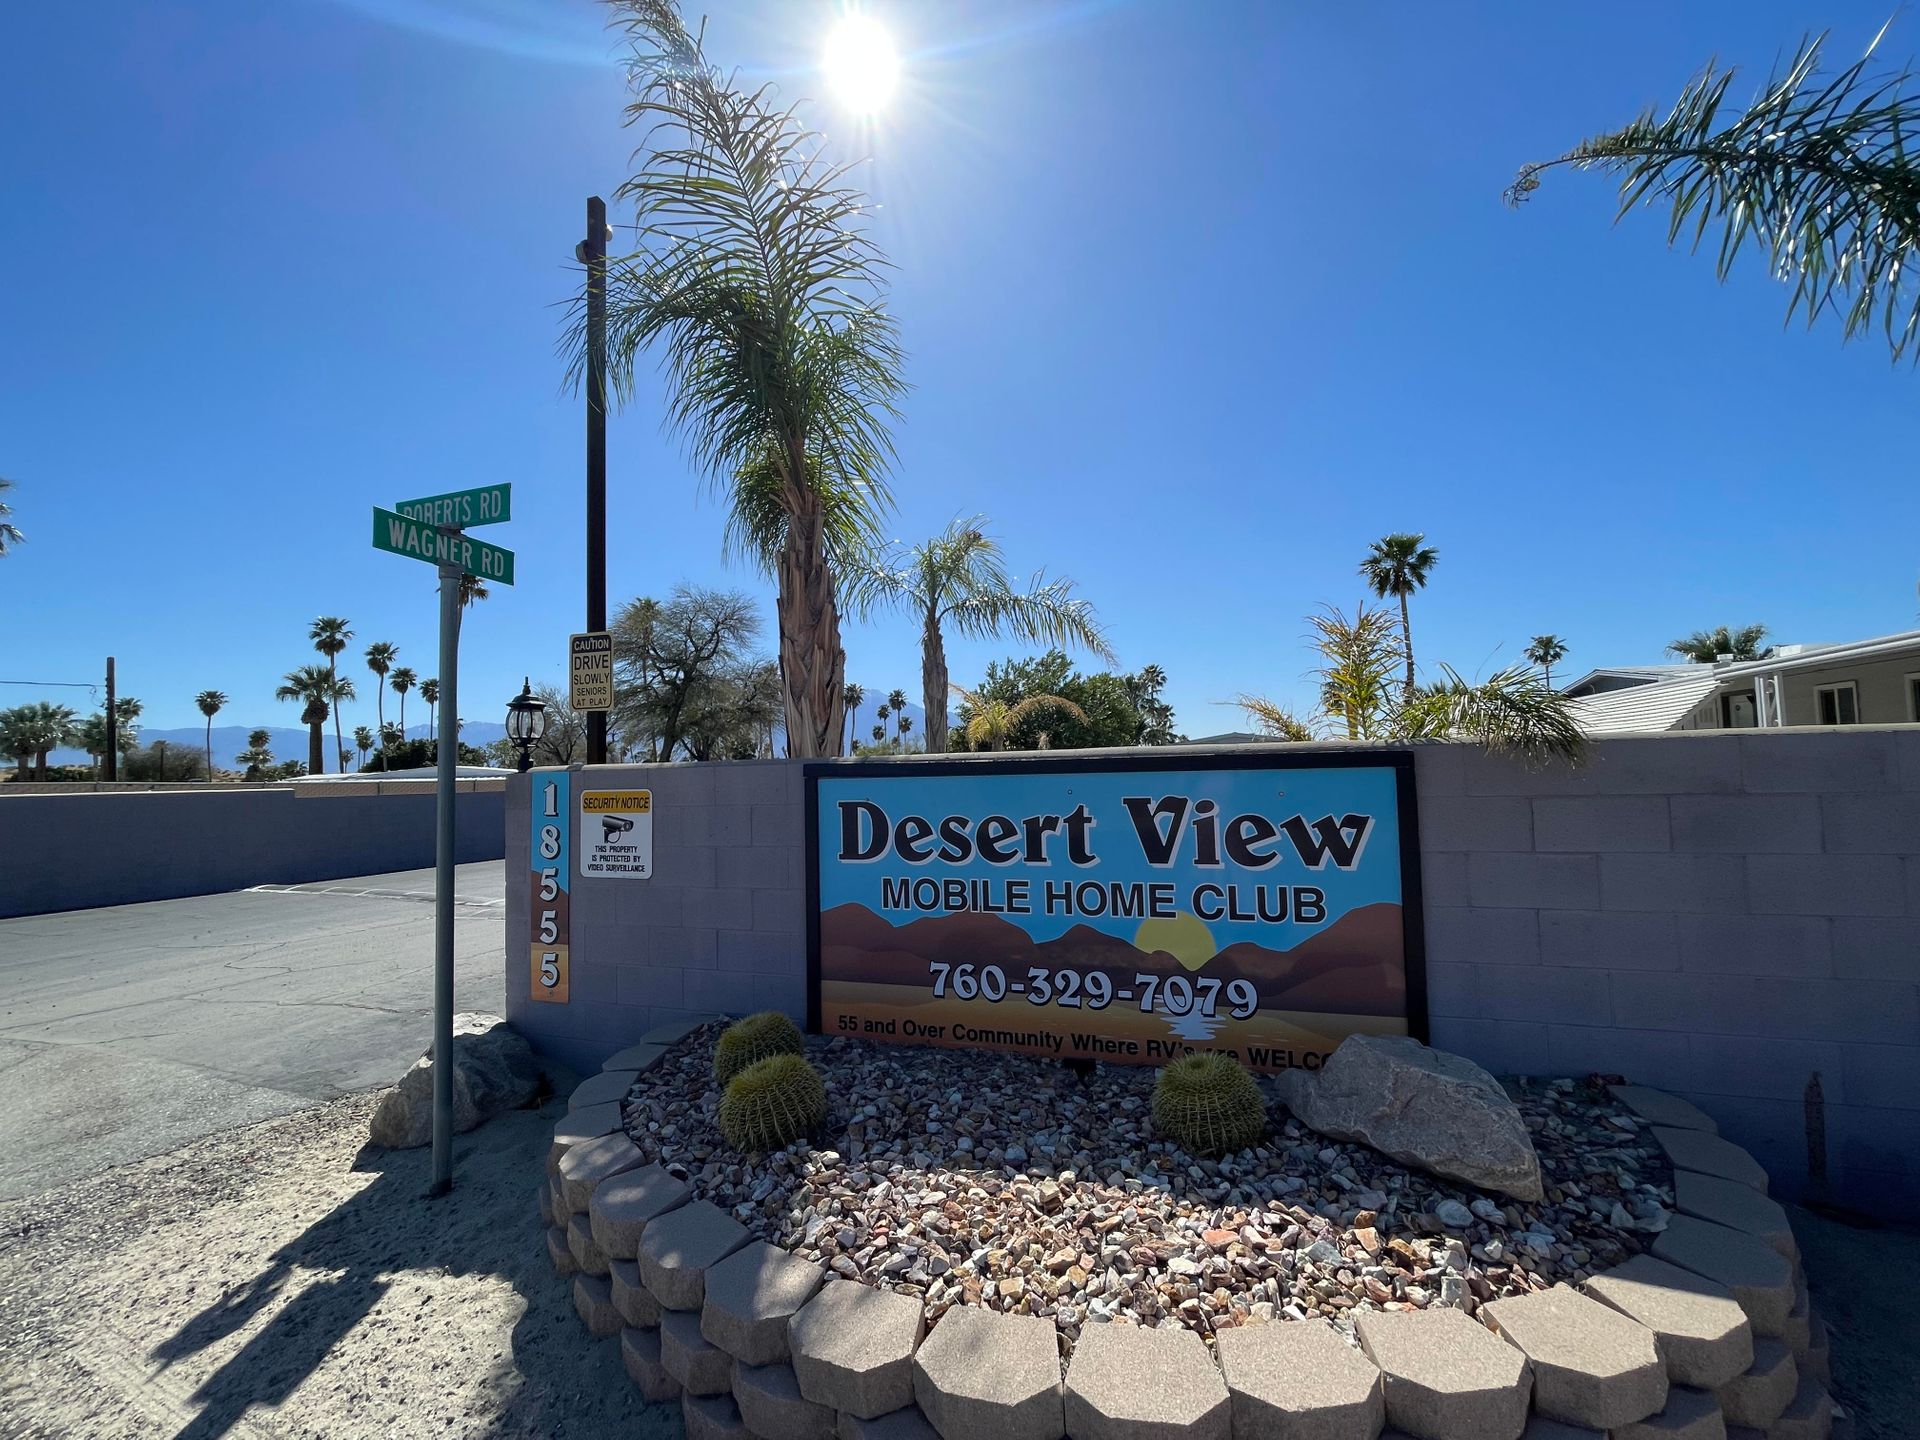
{"points": [[1354, 966]]}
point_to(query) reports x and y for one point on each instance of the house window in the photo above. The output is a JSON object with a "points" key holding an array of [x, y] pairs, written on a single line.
{"points": [[1838, 704], [1913, 697]]}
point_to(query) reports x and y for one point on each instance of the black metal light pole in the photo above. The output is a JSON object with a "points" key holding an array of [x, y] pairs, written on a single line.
{"points": [[526, 723], [593, 252]]}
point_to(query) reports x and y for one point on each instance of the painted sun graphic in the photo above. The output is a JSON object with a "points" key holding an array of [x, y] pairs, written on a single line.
{"points": [[1183, 936]]}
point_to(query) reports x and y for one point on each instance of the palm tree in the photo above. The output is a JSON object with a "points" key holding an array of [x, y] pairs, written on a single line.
{"points": [[258, 755], [1513, 711], [1547, 651], [1703, 647], [754, 278], [1275, 721], [430, 692], [1820, 173], [92, 738], [855, 697], [210, 702], [991, 721], [959, 578], [402, 681], [363, 742], [10, 535], [30, 733], [330, 636], [312, 685], [472, 589], [390, 735], [1398, 565], [380, 657]]}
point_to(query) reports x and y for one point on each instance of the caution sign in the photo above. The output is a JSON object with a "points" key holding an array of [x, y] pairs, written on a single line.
{"points": [[590, 671], [616, 834]]}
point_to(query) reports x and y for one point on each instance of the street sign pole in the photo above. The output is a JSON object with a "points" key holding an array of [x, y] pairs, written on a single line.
{"points": [[447, 757], [430, 530]]}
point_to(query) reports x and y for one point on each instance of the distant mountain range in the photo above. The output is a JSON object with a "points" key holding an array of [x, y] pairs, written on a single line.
{"points": [[1353, 967], [289, 742]]}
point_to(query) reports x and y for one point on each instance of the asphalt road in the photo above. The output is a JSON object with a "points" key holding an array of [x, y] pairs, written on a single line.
{"points": [[130, 1030]]}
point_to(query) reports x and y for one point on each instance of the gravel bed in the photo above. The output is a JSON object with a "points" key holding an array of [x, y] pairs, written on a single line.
{"points": [[1031, 1186]]}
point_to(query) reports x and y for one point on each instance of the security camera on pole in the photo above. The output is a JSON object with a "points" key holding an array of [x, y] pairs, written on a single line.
{"points": [[431, 529]]}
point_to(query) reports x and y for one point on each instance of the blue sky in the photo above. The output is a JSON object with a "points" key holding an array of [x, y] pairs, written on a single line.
{"points": [[1198, 300]]}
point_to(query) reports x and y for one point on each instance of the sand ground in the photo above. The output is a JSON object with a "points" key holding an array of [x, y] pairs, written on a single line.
{"points": [[275, 1281], [279, 1281]]}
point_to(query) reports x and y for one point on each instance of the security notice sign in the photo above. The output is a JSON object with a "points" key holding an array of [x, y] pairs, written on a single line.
{"points": [[590, 671], [616, 834], [1129, 910]]}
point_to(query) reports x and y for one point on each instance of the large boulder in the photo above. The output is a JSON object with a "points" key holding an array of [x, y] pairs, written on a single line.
{"points": [[1423, 1107], [493, 1070]]}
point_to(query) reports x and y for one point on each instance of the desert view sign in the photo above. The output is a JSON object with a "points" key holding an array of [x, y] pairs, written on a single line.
{"points": [[1126, 909]]}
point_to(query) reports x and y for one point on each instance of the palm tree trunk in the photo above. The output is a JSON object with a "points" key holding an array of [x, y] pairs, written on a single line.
{"points": [[1406, 636], [209, 749], [813, 666], [333, 686], [316, 747], [934, 682], [380, 709]]}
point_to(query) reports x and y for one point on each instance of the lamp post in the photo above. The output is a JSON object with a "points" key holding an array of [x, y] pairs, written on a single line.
{"points": [[526, 722]]}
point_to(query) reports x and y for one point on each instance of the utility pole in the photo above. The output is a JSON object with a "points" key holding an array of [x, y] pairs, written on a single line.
{"points": [[113, 728], [594, 253]]}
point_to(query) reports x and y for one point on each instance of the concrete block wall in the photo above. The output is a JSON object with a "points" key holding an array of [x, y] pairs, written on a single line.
{"points": [[1720, 914], [78, 849], [720, 927]]}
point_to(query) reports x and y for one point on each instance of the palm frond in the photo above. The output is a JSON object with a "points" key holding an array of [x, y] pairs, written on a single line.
{"points": [[1047, 612], [752, 274], [1274, 720], [1820, 173], [1512, 711]]}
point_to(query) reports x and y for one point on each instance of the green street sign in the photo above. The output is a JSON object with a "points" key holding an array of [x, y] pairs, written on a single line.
{"points": [[488, 505], [403, 536]]}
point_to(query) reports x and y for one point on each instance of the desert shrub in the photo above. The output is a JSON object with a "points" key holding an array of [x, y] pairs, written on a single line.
{"points": [[1208, 1104], [772, 1103], [755, 1038]]}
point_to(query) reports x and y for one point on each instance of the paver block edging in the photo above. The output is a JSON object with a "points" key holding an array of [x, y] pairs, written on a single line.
{"points": [[984, 1373], [852, 1348], [609, 1087], [678, 1248], [700, 1367], [1659, 1108], [1130, 1382], [1757, 1274], [1700, 1330], [585, 1165], [771, 1404], [625, 1204], [640, 1353], [1299, 1379], [1592, 1365], [1710, 1155], [751, 1295], [1442, 1372]]}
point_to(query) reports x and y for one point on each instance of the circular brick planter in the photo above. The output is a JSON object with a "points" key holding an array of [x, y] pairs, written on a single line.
{"points": [[1708, 1337]]}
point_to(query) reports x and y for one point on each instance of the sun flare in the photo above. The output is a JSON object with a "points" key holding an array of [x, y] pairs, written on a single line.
{"points": [[861, 64]]}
